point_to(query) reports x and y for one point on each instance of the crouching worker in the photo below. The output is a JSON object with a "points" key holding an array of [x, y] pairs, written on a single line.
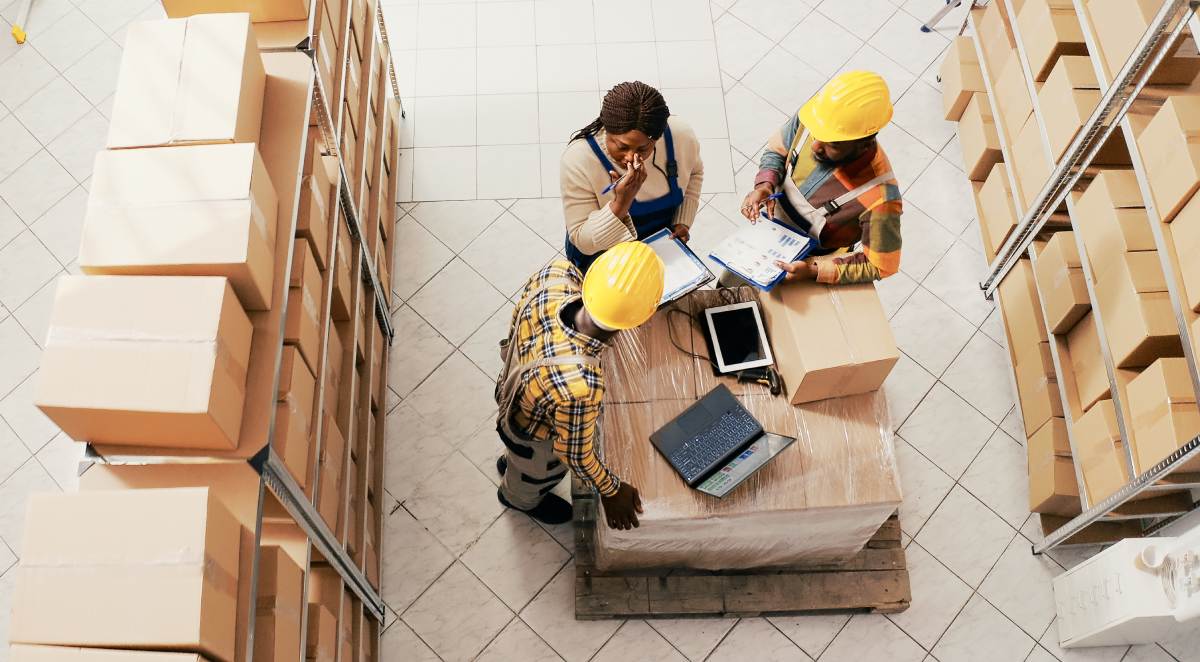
{"points": [[550, 390]]}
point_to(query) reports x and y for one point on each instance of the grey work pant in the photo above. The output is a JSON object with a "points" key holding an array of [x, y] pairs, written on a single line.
{"points": [[533, 470]]}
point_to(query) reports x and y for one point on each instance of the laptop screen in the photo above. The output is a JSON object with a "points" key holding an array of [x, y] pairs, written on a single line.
{"points": [[738, 335]]}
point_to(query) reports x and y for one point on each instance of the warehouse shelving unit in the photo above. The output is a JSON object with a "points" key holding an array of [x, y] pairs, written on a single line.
{"points": [[276, 508], [1116, 515]]}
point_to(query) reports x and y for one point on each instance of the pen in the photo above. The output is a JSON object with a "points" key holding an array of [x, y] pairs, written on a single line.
{"points": [[608, 189]]}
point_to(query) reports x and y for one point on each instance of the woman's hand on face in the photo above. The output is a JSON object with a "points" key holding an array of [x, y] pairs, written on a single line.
{"points": [[681, 232], [627, 189]]}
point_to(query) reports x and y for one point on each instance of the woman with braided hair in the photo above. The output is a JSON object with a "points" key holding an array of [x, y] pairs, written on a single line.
{"points": [[654, 161]]}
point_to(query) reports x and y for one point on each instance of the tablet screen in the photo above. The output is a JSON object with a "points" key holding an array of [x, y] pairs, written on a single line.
{"points": [[738, 335]]}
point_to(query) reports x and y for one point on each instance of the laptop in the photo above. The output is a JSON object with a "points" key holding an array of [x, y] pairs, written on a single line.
{"points": [[716, 435]]}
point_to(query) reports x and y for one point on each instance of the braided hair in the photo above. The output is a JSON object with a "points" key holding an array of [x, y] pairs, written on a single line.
{"points": [[629, 106]]}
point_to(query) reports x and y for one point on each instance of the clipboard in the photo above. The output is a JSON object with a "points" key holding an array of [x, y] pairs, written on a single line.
{"points": [[747, 252], [685, 271]]}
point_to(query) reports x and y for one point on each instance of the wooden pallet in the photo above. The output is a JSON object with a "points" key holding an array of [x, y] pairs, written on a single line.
{"points": [[874, 580]]}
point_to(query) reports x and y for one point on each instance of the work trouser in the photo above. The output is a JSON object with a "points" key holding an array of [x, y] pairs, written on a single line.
{"points": [[533, 470]]}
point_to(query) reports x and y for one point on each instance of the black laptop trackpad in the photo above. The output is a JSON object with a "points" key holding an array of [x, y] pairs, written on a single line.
{"points": [[694, 421]]}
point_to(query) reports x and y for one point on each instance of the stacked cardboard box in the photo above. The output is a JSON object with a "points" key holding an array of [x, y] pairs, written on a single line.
{"points": [[996, 212], [977, 135], [278, 617], [1049, 29], [1053, 488], [1119, 26], [1165, 415], [1068, 98], [960, 76], [1061, 284]]}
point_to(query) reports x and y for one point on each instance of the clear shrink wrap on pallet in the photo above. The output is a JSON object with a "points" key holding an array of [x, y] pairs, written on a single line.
{"points": [[818, 501]]}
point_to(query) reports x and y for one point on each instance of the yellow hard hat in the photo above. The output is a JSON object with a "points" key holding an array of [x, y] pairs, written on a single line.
{"points": [[624, 285], [853, 105]]}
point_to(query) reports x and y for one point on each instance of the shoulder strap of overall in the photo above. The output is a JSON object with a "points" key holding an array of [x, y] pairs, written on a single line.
{"points": [[836, 203]]}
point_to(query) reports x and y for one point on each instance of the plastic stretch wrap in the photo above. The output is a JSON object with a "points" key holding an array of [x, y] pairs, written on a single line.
{"points": [[819, 500]]}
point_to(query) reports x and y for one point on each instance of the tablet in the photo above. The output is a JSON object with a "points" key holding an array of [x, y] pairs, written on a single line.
{"points": [[739, 338]]}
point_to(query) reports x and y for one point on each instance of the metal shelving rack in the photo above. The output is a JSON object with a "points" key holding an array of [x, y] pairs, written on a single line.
{"points": [[1117, 97], [274, 480]]}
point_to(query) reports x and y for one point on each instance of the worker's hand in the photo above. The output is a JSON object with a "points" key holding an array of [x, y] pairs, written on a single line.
{"points": [[753, 204], [681, 232], [799, 270], [627, 189], [621, 509]]}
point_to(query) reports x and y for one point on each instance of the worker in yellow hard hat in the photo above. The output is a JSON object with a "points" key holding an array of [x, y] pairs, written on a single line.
{"points": [[825, 173], [549, 391]]}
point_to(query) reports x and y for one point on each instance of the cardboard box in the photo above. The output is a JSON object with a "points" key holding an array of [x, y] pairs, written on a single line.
{"points": [[1165, 415], [1061, 284], [343, 272], [193, 80], [1113, 206], [325, 587], [294, 413], [316, 194], [1101, 453], [1119, 25], [960, 76], [1184, 234], [998, 215], [146, 361], [333, 371], [23, 653], [1049, 33], [855, 360], [994, 34], [292, 380], [977, 134], [1067, 99], [1012, 96], [280, 597], [1053, 488], [1091, 378], [326, 56], [1170, 146], [1145, 271], [1140, 326], [332, 463], [169, 580], [1037, 387], [1021, 308], [1030, 162], [322, 635], [303, 326], [200, 210], [261, 11]]}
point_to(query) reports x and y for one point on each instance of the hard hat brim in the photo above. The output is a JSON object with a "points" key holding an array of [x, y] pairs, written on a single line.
{"points": [[822, 131]]}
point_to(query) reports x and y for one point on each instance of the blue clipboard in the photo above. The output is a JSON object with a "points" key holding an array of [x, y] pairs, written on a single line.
{"points": [[703, 275], [805, 249]]}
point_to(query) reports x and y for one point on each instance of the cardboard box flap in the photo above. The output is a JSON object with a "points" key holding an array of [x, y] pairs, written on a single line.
{"points": [[1145, 271], [1120, 187]]}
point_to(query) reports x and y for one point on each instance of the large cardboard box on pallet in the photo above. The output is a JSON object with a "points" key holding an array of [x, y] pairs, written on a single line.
{"points": [[1101, 452], [1049, 32], [23, 653], [146, 361], [1165, 415], [278, 611], [1053, 488], [188, 80], [1061, 283], [1091, 378], [960, 75], [1184, 235], [855, 360], [1119, 26], [199, 210], [977, 135], [1170, 146], [169, 579]]}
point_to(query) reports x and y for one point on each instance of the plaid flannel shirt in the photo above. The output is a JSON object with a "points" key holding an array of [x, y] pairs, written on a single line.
{"points": [[560, 404]]}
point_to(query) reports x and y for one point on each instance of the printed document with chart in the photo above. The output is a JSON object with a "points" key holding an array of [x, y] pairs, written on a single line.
{"points": [[751, 252], [684, 271]]}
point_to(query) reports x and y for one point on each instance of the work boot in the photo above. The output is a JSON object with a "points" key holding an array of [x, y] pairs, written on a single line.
{"points": [[552, 510]]}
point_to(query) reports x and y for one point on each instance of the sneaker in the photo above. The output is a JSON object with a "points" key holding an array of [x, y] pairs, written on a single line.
{"points": [[501, 464], [552, 510]]}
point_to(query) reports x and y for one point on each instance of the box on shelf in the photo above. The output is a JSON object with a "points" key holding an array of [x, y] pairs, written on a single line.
{"points": [[1113, 205], [261, 11], [332, 463], [960, 76], [1053, 487], [24, 653], [322, 635], [198, 210], [1140, 326], [1101, 454], [293, 414], [316, 194], [146, 361], [1049, 32], [994, 34], [280, 599], [303, 326], [1165, 415], [170, 560], [857, 360], [1012, 96], [343, 271], [1021, 308], [333, 371], [1061, 283], [977, 135], [1030, 162], [1067, 99], [1091, 378], [1037, 386], [1184, 234], [998, 216], [1145, 271], [325, 55], [354, 100], [1119, 26], [1170, 146], [188, 80]]}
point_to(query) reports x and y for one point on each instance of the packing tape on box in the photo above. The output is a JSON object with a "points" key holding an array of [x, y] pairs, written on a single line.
{"points": [[841, 316], [58, 336], [280, 608], [314, 193], [1147, 418], [212, 572]]}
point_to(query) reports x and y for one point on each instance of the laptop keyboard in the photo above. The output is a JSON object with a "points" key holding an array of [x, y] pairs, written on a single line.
{"points": [[698, 454]]}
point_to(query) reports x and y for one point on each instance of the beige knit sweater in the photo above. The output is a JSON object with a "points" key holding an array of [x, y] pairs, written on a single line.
{"points": [[591, 225]]}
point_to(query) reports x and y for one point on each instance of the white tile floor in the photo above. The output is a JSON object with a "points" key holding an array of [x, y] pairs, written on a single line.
{"points": [[493, 90]]}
